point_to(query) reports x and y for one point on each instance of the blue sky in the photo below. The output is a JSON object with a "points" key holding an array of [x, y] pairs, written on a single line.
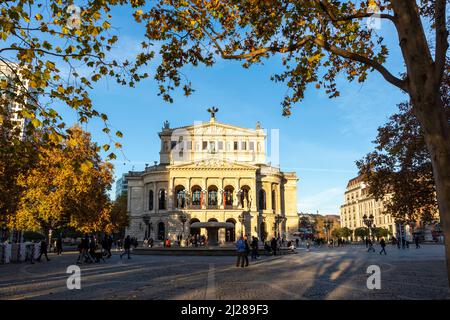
{"points": [[320, 141]]}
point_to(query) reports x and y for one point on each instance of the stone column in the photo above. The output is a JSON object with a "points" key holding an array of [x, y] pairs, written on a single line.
{"points": [[253, 195], [221, 193], [268, 189], [205, 194], [278, 199], [189, 190], [130, 190], [237, 184], [155, 197], [170, 194]]}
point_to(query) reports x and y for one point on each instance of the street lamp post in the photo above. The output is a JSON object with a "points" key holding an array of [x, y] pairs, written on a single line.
{"points": [[242, 220], [328, 224], [368, 221]]}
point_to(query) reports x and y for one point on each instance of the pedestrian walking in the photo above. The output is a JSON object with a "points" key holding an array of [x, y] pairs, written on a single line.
{"points": [[59, 246], [370, 244], [297, 241], [126, 247], [383, 246], [416, 240], [43, 251], [240, 250]]}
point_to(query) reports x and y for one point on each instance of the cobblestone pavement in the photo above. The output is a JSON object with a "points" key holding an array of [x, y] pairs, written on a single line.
{"points": [[323, 273]]}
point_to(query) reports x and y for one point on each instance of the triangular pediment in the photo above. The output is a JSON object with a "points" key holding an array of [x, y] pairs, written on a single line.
{"points": [[216, 128], [213, 163]]}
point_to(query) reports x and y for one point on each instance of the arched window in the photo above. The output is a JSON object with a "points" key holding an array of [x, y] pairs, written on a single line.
{"points": [[228, 195], [161, 231], [162, 199], [150, 200], [180, 194], [262, 199], [274, 200], [196, 195], [212, 196]]}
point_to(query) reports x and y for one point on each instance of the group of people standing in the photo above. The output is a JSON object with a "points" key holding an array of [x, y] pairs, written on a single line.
{"points": [[91, 249], [244, 247]]}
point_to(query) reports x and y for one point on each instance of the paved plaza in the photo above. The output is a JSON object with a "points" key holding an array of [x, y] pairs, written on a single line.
{"points": [[323, 273]]}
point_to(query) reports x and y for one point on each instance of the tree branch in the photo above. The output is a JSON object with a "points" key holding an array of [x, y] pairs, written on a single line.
{"points": [[359, 58], [325, 6], [441, 39], [402, 84]]}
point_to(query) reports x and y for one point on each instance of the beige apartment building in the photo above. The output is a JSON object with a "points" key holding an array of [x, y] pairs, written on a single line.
{"points": [[212, 172], [358, 202]]}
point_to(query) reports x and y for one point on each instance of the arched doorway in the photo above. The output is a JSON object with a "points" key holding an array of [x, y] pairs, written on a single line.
{"points": [[230, 234], [161, 231], [195, 232], [263, 231]]}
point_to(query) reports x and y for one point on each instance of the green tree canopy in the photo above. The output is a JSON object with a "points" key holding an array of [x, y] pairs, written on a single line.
{"points": [[361, 232]]}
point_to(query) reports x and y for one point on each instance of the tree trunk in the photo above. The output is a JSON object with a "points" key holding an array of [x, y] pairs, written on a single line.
{"points": [[436, 129], [424, 90]]}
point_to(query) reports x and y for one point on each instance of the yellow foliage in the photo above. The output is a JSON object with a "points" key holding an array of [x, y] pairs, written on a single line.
{"points": [[66, 188]]}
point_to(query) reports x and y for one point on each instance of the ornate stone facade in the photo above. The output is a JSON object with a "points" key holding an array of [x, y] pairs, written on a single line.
{"points": [[358, 202], [212, 172]]}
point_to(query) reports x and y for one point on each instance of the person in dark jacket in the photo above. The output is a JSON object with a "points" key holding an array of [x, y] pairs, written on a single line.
{"points": [[43, 251], [59, 246], [92, 249], [383, 246], [247, 250], [126, 247], [273, 245], [254, 246], [416, 240]]}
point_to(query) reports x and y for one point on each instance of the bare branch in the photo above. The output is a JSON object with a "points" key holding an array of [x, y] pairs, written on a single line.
{"points": [[402, 84]]}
